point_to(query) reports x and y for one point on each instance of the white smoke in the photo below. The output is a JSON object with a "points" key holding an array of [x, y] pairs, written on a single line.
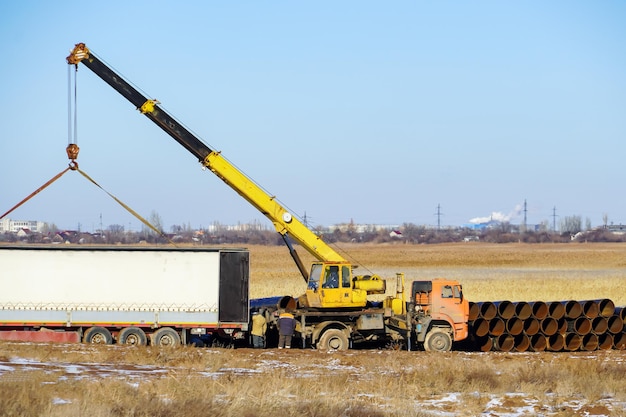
{"points": [[497, 216]]}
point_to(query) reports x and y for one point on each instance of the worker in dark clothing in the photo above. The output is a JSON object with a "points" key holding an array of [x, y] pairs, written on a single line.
{"points": [[286, 327]]}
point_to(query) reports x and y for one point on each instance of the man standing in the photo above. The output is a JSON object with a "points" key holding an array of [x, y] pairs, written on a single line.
{"points": [[259, 326], [286, 327]]}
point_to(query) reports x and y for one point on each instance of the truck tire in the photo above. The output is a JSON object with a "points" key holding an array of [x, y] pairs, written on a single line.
{"points": [[98, 336], [333, 339], [438, 340], [166, 337], [132, 336]]}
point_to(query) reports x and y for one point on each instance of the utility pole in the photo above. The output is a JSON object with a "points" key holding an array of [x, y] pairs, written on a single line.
{"points": [[438, 214], [554, 219], [525, 213]]}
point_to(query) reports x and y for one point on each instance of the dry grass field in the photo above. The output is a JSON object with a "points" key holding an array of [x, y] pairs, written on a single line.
{"points": [[104, 381]]}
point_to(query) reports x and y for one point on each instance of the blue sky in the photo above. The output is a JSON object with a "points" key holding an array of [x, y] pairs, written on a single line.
{"points": [[375, 112]]}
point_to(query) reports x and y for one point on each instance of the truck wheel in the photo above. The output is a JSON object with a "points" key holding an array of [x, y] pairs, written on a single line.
{"points": [[132, 336], [166, 337], [333, 339], [98, 336], [438, 340]]}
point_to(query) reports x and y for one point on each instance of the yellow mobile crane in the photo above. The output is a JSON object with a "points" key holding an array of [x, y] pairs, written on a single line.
{"points": [[330, 282], [334, 310]]}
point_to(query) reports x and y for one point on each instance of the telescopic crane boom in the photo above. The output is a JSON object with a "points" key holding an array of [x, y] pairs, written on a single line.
{"points": [[330, 282]]}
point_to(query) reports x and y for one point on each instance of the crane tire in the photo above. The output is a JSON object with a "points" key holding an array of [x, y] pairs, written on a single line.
{"points": [[333, 339], [133, 336], [98, 336], [438, 340]]}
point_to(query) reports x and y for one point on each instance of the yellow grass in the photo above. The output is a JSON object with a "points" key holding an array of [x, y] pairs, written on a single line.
{"points": [[488, 272]]}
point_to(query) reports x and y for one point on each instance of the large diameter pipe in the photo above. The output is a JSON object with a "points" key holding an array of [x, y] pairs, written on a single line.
{"points": [[506, 309], [580, 326], [514, 326], [590, 342], [538, 343], [474, 311], [621, 313], [488, 310], [606, 307], [556, 342], [549, 326], [615, 324], [573, 309], [496, 327], [619, 341], [521, 343], [531, 326], [556, 310], [504, 343], [599, 325], [591, 310], [523, 310], [485, 344], [605, 341], [540, 310], [573, 341], [562, 324], [480, 327]]}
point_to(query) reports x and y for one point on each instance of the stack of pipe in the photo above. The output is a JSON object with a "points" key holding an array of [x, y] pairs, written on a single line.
{"points": [[536, 326]]}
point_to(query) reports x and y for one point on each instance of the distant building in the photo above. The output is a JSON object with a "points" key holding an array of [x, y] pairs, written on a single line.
{"points": [[14, 226]]}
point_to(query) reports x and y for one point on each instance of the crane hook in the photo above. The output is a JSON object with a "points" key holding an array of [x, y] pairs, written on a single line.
{"points": [[72, 153]]}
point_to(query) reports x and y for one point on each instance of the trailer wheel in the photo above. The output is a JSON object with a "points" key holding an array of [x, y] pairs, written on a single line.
{"points": [[132, 336], [333, 339], [98, 336], [438, 340], [166, 337]]}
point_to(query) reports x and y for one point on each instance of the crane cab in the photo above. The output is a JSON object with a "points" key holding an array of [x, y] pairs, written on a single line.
{"points": [[331, 284]]}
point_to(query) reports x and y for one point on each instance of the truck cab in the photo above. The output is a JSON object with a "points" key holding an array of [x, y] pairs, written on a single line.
{"points": [[440, 313]]}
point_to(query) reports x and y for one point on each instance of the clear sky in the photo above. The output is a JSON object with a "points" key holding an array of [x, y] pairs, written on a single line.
{"points": [[375, 112]]}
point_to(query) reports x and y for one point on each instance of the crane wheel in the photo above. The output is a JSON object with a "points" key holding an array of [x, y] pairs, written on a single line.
{"points": [[438, 340], [333, 339]]}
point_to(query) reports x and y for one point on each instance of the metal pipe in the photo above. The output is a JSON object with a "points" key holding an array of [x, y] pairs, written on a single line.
{"points": [[484, 344], [540, 310], [514, 326], [599, 325], [506, 309], [556, 310], [615, 324], [573, 309], [531, 326], [488, 310], [496, 327], [590, 342], [474, 311], [521, 343], [523, 310], [556, 342], [580, 326], [619, 341], [549, 326], [480, 327], [538, 343], [504, 343], [573, 341], [605, 341], [621, 313], [562, 325], [591, 310]]}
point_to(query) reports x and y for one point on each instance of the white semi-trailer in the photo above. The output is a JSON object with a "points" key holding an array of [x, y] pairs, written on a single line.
{"points": [[122, 294]]}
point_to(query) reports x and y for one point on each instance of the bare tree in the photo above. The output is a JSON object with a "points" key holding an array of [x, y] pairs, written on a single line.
{"points": [[571, 224]]}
